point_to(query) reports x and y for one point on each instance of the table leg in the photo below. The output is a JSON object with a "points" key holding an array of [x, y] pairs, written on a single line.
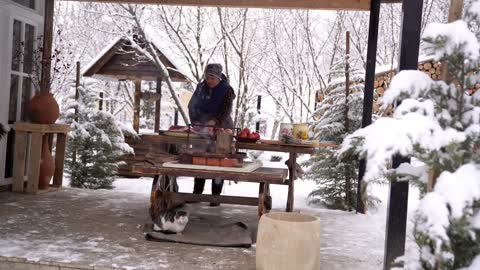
{"points": [[154, 209], [19, 163], [261, 200], [291, 178], [59, 159], [268, 198]]}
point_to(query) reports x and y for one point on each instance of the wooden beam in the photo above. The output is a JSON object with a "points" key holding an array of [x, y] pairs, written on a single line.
{"points": [[179, 196], [158, 104], [272, 4], [47, 46], [136, 105]]}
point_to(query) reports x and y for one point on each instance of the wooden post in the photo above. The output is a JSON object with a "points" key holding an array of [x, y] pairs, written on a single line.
{"points": [[100, 102], [396, 226], [158, 104], [47, 46], [34, 162], [59, 159], [259, 106], [261, 199], [291, 178], [175, 118], [19, 163], [368, 95], [348, 184], [136, 105], [77, 96]]}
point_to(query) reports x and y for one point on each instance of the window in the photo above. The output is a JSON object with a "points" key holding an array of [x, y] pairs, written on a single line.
{"points": [[26, 3], [21, 88], [23, 45]]}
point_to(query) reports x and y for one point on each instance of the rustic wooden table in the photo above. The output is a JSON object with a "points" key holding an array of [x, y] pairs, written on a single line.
{"points": [[162, 193], [293, 150]]}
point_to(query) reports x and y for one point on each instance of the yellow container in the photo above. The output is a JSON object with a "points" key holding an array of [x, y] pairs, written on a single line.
{"points": [[300, 131]]}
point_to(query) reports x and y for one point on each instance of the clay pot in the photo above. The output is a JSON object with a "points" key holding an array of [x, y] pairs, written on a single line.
{"points": [[43, 108], [47, 165]]}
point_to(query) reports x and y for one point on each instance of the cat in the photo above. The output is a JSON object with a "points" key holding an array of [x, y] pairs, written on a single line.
{"points": [[171, 221]]}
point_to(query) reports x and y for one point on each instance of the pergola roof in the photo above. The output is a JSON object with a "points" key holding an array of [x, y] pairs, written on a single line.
{"points": [[119, 61], [290, 4]]}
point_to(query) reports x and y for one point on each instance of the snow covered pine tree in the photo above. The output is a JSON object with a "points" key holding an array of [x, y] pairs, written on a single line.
{"points": [[336, 178], [96, 142], [438, 123]]}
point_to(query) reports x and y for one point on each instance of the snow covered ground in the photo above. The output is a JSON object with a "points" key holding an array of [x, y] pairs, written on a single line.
{"points": [[107, 230]]}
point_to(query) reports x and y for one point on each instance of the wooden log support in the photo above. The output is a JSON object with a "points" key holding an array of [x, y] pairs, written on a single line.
{"points": [[19, 163], [47, 46], [59, 159], [136, 105], [34, 162], [178, 196]]}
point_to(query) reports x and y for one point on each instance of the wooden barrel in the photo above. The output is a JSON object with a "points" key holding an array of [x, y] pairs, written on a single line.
{"points": [[288, 241]]}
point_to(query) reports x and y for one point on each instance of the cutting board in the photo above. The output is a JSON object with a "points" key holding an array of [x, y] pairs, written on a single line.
{"points": [[313, 145], [247, 167]]}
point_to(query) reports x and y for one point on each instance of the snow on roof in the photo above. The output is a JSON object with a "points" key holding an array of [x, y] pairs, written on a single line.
{"points": [[101, 54], [161, 40]]}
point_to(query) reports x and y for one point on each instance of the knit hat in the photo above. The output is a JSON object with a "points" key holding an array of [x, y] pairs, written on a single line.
{"points": [[214, 70]]}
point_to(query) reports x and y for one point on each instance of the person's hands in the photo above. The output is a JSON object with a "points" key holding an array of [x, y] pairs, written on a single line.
{"points": [[211, 122]]}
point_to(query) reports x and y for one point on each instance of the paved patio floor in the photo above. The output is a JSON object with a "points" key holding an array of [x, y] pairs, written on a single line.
{"points": [[105, 228]]}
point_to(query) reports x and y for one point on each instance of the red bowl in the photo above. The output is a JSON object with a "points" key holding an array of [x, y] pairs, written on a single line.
{"points": [[246, 140]]}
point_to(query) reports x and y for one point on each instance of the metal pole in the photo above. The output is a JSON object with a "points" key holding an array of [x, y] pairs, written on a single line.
{"points": [[368, 94], [395, 234], [259, 106]]}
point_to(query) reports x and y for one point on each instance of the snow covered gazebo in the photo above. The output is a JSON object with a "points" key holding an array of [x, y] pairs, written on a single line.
{"points": [[120, 61]]}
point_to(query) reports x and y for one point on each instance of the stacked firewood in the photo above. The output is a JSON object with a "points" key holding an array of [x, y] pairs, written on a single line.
{"points": [[382, 81]]}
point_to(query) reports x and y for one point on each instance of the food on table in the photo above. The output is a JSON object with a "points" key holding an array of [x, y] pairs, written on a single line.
{"points": [[247, 134]]}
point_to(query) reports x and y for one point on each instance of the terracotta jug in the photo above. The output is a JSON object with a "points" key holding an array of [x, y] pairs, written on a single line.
{"points": [[43, 108], [47, 165]]}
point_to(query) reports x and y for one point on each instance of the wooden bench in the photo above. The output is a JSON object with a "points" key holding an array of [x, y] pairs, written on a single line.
{"points": [[162, 196]]}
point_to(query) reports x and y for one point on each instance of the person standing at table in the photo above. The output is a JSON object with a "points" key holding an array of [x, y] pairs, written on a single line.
{"points": [[211, 104]]}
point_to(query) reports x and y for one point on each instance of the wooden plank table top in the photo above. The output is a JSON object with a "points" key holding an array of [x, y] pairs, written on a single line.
{"points": [[269, 175], [40, 128], [263, 146], [276, 147]]}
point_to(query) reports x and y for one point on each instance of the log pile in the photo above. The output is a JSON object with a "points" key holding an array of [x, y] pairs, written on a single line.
{"points": [[382, 81]]}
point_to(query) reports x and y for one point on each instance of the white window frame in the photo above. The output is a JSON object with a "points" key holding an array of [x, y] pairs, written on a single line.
{"points": [[25, 15]]}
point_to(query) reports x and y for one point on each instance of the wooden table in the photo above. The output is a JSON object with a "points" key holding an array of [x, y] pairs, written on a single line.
{"points": [[162, 193], [36, 132], [293, 152]]}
